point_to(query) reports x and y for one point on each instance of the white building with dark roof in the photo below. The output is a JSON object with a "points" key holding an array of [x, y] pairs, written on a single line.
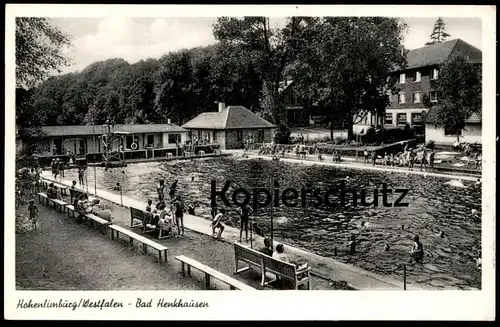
{"points": [[230, 127], [415, 82]]}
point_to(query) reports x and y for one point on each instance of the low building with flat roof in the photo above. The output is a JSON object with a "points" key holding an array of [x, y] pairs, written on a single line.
{"points": [[139, 141]]}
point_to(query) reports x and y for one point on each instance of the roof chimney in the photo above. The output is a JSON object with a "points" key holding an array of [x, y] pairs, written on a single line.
{"points": [[169, 121], [222, 105]]}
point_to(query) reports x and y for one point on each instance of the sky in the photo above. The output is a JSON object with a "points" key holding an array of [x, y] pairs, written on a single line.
{"points": [[133, 39]]}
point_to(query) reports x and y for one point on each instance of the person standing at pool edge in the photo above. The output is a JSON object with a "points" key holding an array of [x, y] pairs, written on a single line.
{"points": [[173, 189], [245, 212], [179, 215], [80, 175], [160, 189]]}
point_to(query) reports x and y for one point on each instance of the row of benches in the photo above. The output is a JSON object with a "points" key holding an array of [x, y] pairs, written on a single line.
{"points": [[252, 258], [105, 225], [262, 262]]}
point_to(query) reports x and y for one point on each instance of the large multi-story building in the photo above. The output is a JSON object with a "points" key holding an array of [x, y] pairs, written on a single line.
{"points": [[415, 82]]}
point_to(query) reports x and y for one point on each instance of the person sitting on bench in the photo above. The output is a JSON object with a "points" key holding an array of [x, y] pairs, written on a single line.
{"points": [[268, 248], [101, 210], [280, 255], [52, 192], [155, 219], [165, 221]]}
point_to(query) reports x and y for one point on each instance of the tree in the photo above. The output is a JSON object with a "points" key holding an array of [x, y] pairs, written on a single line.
{"points": [[346, 63], [39, 49], [460, 91], [270, 48], [438, 34]]}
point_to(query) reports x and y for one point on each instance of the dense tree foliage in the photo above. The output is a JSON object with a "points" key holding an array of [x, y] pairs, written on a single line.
{"points": [[460, 94], [39, 50], [342, 64], [345, 65]]}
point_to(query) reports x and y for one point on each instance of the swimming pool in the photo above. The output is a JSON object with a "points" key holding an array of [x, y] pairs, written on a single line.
{"points": [[449, 261]]}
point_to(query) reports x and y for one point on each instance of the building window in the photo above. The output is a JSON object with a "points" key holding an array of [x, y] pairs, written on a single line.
{"points": [[401, 119], [417, 97], [417, 77], [402, 78], [433, 96], [449, 132], [401, 97], [434, 74], [388, 119], [150, 140], [239, 135], [416, 118], [174, 138]]}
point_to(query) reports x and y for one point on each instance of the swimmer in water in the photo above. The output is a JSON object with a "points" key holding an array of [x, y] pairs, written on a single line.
{"points": [[387, 247], [440, 233], [352, 244], [417, 250], [479, 262]]}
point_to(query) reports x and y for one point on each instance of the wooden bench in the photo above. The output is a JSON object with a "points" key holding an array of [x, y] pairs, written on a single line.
{"points": [[70, 208], [58, 186], [265, 263], [234, 284], [137, 214], [141, 215], [102, 223], [75, 193], [43, 195], [56, 202], [145, 241]]}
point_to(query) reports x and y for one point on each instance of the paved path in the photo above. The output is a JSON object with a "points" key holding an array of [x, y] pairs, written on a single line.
{"points": [[356, 277]]}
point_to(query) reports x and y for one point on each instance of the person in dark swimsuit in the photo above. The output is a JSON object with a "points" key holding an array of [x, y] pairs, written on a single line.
{"points": [[417, 250], [245, 214], [179, 215], [80, 176], [161, 189]]}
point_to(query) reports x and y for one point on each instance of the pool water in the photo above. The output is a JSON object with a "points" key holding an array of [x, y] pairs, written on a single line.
{"points": [[449, 261]]}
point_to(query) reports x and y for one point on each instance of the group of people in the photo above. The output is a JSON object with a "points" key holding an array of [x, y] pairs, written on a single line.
{"points": [[83, 205], [167, 217], [407, 158]]}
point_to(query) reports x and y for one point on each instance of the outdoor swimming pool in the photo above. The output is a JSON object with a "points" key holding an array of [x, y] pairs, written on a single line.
{"points": [[449, 261]]}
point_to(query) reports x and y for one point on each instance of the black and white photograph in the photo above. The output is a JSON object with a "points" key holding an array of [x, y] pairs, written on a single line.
{"points": [[249, 151]]}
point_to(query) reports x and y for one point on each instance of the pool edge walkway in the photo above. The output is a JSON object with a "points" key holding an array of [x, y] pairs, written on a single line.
{"points": [[332, 269], [352, 164]]}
